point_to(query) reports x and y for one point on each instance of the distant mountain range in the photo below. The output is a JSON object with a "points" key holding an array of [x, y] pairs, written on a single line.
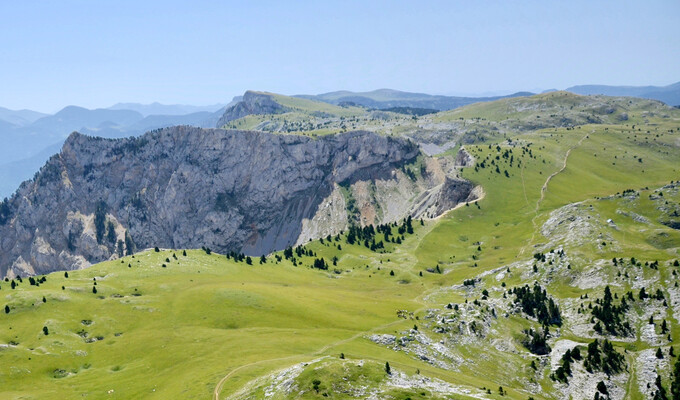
{"points": [[166, 109], [19, 117], [388, 98], [30, 137], [668, 94]]}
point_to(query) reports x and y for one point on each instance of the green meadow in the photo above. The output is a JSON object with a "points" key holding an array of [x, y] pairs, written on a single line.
{"points": [[161, 324]]}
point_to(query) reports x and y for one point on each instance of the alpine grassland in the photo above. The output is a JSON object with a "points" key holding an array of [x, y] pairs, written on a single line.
{"points": [[574, 240]]}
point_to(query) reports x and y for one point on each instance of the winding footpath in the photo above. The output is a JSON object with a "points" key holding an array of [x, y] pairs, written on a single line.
{"points": [[544, 189], [419, 299]]}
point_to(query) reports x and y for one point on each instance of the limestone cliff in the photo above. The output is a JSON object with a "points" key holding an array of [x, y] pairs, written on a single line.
{"points": [[186, 187]]}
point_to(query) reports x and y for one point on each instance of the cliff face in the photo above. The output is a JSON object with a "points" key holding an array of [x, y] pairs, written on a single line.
{"points": [[182, 187], [186, 187]]}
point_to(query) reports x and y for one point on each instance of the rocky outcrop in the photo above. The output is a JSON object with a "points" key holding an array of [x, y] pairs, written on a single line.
{"points": [[186, 187], [252, 103]]}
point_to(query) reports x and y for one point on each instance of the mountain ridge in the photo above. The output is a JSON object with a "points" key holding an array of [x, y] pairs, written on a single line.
{"points": [[191, 187]]}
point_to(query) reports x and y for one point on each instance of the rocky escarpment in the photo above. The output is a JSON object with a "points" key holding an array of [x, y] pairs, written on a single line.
{"points": [[252, 103], [190, 187]]}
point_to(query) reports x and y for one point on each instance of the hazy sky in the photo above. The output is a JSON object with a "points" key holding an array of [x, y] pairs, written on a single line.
{"points": [[97, 53]]}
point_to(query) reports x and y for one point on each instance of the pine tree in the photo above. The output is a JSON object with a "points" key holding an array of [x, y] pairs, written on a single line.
{"points": [[660, 393], [111, 232], [100, 220], [675, 380], [602, 388], [388, 369], [129, 244]]}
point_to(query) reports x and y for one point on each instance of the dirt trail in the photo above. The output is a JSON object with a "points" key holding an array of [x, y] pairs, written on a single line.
{"points": [[325, 348], [419, 299], [544, 188]]}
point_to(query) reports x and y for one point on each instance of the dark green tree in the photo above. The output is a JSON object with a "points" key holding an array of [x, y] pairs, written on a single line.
{"points": [[129, 244], [111, 232], [602, 388], [660, 392], [675, 380], [100, 220]]}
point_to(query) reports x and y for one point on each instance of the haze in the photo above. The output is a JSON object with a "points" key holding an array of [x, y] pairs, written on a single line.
{"points": [[201, 52]]}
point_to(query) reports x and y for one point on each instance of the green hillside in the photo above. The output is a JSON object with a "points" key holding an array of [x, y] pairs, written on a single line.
{"points": [[302, 116], [578, 209]]}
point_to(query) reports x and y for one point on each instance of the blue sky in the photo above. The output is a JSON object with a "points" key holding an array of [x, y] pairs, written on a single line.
{"points": [[97, 53]]}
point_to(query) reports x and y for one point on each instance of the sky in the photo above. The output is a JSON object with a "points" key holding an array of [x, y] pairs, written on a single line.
{"points": [[98, 53]]}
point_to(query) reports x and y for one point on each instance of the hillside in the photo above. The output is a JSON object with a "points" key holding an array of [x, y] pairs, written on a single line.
{"points": [[559, 281], [271, 112]]}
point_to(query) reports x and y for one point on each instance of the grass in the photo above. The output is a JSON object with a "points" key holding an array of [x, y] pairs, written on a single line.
{"points": [[178, 331]]}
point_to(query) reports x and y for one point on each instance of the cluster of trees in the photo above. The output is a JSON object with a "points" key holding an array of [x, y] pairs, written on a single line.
{"points": [[537, 340], [299, 251], [535, 302], [105, 229], [368, 235], [320, 263], [610, 315], [563, 372], [239, 257], [539, 257], [13, 284], [506, 156], [37, 282], [601, 356]]}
